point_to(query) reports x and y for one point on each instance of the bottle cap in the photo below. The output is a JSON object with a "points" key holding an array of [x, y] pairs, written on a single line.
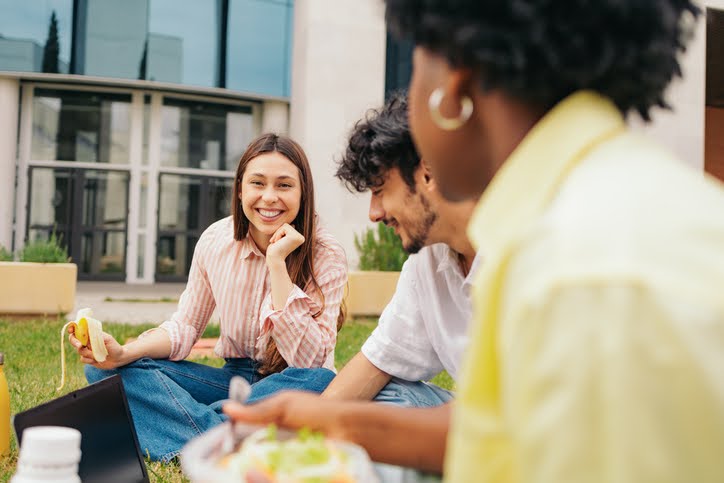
{"points": [[50, 446]]}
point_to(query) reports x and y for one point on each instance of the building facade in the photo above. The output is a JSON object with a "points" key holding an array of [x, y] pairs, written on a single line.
{"points": [[122, 121]]}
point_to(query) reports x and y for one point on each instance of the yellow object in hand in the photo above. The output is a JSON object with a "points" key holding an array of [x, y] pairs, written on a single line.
{"points": [[87, 330]]}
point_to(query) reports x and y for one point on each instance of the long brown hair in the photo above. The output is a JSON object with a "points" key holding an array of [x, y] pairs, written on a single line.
{"points": [[300, 263]]}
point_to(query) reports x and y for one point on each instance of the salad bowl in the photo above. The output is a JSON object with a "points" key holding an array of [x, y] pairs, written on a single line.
{"points": [[282, 456]]}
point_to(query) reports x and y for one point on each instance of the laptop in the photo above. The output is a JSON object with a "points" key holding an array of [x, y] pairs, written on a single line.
{"points": [[110, 450]]}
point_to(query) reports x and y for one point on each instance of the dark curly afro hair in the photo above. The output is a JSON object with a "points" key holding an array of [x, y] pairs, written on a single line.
{"points": [[379, 142], [540, 51]]}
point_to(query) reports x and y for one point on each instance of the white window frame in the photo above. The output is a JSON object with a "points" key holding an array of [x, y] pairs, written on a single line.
{"points": [[136, 167]]}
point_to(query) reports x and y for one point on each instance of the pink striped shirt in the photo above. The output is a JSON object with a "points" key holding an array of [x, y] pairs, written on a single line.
{"points": [[232, 276]]}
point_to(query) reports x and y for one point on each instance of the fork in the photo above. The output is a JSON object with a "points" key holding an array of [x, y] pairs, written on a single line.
{"points": [[239, 390]]}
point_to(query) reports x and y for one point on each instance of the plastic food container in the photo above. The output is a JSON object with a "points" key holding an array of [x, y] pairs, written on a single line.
{"points": [[201, 456]]}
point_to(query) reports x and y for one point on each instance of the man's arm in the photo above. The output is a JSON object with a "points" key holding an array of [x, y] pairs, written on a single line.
{"points": [[411, 437], [359, 379]]}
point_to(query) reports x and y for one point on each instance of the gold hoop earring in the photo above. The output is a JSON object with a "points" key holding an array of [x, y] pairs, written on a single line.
{"points": [[447, 123]]}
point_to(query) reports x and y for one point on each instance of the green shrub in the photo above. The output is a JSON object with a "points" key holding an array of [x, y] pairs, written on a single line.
{"points": [[45, 251], [381, 252], [5, 255]]}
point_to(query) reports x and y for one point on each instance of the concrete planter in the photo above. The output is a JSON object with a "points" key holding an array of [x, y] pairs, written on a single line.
{"points": [[37, 288], [368, 293]]}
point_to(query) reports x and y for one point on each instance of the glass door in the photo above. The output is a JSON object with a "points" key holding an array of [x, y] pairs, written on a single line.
{"points": [[87, 209], [78, 176], [188, 204], [129, 180]]}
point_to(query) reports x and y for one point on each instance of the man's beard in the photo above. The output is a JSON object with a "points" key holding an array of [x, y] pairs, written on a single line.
{"points": [[420, 230]]}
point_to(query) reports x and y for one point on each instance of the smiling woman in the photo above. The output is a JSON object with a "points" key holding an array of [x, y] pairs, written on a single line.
{"points": [[276, 280], [276, 193], [271, 194]]}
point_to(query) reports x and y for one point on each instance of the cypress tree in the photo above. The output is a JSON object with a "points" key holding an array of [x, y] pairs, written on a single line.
{"points": [[144, 61], [52, 47]]}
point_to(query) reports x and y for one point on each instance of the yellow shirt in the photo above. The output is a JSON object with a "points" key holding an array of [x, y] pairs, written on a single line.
{"points": [[597, 353]]}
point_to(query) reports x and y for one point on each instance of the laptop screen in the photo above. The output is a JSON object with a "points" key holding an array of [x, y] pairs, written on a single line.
{"points": [[110, 451]]}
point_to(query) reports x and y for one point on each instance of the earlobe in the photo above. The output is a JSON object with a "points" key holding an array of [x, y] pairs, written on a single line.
{"points": [[460, 83], [454, 97]]}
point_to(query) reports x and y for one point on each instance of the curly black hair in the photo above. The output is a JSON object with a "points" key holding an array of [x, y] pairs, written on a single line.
{"points": [[540, 51], [377, 143]]}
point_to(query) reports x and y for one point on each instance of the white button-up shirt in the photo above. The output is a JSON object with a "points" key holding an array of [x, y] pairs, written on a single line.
{"points": [[424, 328]]}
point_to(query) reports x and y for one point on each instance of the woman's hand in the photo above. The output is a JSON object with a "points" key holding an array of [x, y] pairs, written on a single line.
{"points": [[116, 352], [283, 242]]}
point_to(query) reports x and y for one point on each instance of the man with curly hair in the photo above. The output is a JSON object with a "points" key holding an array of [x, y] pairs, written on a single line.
{"points": [[598, 337], [423, 330]]}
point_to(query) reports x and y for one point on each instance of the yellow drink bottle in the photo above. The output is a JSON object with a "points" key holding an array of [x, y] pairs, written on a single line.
{"points": [[4, 410]]}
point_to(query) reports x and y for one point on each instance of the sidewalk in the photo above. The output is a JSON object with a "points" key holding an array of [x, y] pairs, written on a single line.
{"points": [[129, 304]]}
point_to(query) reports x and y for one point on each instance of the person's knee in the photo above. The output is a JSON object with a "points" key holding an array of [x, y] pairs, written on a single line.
{"points": [[292, 378], [396, 392], [316, 376], [410, 394]]}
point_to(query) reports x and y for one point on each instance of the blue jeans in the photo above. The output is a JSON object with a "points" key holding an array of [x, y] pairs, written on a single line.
{"points": [[416, 394], [409, 394], [291, 378], [171, 402], [398, 391]]}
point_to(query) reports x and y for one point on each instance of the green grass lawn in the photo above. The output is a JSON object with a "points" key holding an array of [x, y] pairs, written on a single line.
{"points": [[32, 368]]}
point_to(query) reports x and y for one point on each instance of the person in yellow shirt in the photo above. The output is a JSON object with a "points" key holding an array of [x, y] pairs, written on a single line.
{"points": [[597, 353]]}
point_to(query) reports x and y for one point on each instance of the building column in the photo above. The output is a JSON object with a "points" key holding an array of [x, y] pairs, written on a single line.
{"points": [[9, 100], [338, 73], [275, 117]]}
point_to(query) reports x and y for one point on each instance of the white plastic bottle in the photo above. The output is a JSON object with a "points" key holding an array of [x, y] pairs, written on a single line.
{"points": [[49, 453]]}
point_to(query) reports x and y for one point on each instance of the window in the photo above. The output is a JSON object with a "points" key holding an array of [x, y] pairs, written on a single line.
{"points": [[81, 126], [398, 68], [204, 135], [187, 205], [88, 210], [36, 36], [243, 45], [163, 40], [182, 43], [259, 46]]}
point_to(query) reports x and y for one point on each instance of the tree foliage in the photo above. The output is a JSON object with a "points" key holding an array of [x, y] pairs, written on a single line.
{"points": [[51, 52]]}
